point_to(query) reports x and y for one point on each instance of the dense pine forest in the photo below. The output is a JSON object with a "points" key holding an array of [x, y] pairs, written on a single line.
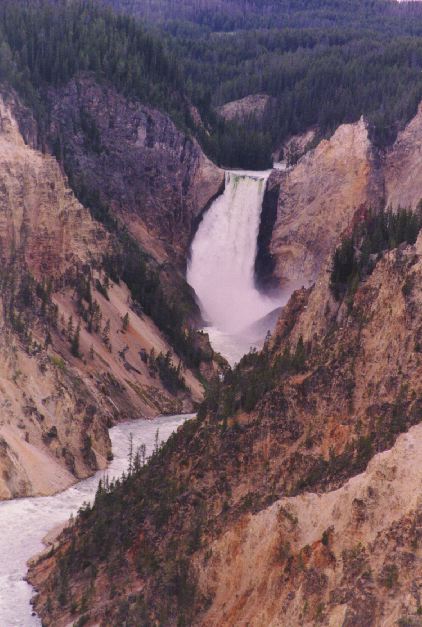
{"points": [[43, 43], [322, 63]]}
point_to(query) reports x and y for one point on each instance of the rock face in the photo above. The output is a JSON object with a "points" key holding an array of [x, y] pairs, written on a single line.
{"points": [[318, 197], [403, 180], [42, 225], [246, 542], [70, 368], [317, 200], [346, 557], [255, 106], [295, 147], [132, 160]]}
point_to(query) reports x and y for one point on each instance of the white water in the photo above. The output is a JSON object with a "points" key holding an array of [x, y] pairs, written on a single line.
{"points": [[25, 522], [221, 268]]}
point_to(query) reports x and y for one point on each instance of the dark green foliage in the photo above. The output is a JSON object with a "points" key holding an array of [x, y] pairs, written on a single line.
{"points": [[170, 375], [378, 231], [324, 62], [44, 43], [26, 302], [238, 145], [194, 17], [256, 374]]}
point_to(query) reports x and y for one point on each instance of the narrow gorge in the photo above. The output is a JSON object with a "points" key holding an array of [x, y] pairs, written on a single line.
{"points": [[210, 313]]}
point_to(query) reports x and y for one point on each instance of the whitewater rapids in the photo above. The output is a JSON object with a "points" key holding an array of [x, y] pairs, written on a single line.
{"points": [[25, 522], [221, 269]]}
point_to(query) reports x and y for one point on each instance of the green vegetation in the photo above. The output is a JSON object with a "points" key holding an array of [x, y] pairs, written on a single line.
{"points": [[256, 374], [147, 495], [170, 375], [169, 311], [375, 233], [44, 43], [323, 62], [26, 301]]}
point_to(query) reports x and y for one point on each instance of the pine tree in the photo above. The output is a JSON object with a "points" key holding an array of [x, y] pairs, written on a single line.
{"points": [[125, 323], [75, 341]]}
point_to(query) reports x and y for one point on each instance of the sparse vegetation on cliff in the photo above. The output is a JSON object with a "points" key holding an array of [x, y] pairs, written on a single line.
{"points": [[373, 233], [300, 416]]}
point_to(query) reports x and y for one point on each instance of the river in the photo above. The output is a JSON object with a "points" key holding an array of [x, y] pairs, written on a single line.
{"points": [[25, 522]]}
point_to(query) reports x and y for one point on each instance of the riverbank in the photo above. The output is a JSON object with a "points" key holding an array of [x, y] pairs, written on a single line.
{"points": [[25, 523]]}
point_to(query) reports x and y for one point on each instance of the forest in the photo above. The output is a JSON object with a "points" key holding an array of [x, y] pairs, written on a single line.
{"points": [[322, 63]]}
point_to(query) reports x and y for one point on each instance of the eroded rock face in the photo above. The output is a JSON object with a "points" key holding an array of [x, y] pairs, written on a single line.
{"points": [[403, 166], [42, 224], [254, 106], [142, 168], [318, 197], [317, 200], [57, 397], [347, 557]]}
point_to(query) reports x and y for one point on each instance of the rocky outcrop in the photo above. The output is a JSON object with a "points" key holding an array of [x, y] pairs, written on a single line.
{"points": [[132, 161], [318, 197], [403, 166], [254, 107], [317, 200], [295, 147]]}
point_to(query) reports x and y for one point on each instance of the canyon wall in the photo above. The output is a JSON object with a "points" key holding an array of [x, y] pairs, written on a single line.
{"points": [[318, 197], [131, 160], [42, 225], [71, 364], [274, 515]]}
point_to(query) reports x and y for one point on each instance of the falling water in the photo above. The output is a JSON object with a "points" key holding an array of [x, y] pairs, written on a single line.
{"points": [[221, 268]]}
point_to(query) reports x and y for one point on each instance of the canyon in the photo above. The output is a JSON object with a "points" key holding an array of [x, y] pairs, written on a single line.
{"points": [[241, 344], [272, 468], [312, 435], [57, 406], [305, 507]]}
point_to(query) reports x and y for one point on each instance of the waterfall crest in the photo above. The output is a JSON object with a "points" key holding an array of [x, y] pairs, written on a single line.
{"points": [[221, 268]]}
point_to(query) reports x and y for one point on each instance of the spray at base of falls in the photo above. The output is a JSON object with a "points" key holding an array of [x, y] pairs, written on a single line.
{"points": [[221, 268]]}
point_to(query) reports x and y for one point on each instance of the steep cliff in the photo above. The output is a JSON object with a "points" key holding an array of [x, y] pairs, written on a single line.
{"points": [[330, 399], [317, 200], [319, 195], [42, 225], [403, 181], [78, 351], [132, 161]]}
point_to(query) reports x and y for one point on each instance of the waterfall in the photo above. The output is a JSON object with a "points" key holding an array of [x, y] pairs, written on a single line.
{"points": [[221, 268]]}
